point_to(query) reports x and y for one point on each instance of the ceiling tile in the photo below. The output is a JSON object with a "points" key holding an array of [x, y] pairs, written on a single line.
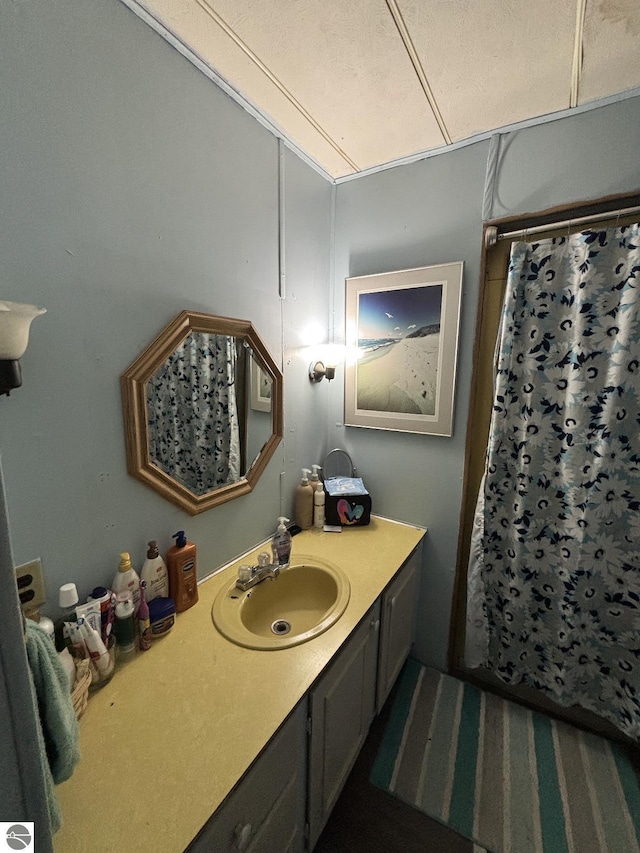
{"points": [[346, 64], [611, 55], [492, 64], [336, 79], [195, 28]]}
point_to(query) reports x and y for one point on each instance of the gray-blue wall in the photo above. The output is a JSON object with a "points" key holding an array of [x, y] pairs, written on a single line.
{"points": [[430, 212], [133, 188]]}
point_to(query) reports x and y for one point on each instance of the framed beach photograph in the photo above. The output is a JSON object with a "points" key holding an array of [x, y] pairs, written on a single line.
{"points": [[260, 388], [402, 328]]}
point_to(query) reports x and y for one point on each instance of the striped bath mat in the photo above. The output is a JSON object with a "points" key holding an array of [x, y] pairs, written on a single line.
{"points": [[510, 779]]}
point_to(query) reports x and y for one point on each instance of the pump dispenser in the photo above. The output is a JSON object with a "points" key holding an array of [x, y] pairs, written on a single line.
{"points": [[182, 567], [304, 501], [154, 572], [281, 544]]}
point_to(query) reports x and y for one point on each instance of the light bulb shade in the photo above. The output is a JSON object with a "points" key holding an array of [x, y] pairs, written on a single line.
{"points": [[15, 320]]}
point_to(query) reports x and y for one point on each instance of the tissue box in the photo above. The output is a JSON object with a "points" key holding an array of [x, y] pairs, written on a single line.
{"points": [[347, 502]]}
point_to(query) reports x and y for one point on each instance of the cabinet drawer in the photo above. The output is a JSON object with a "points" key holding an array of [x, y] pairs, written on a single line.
{"points": [[266, 812]]}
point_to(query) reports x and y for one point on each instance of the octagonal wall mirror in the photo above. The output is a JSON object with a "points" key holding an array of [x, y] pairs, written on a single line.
{"points": [[203, 411]]}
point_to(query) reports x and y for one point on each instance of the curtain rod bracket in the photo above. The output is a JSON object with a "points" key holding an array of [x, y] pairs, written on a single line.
{"points": [[490, 236]]}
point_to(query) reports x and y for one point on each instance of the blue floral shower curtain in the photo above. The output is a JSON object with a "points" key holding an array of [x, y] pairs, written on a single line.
{"points": [[554, 574], [194, 432]]}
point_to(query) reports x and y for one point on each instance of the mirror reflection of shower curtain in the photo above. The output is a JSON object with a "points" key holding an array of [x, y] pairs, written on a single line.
{"points": [[194, 433], [554, 571]]}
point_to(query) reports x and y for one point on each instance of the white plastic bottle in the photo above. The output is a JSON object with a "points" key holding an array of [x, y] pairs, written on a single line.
{"points": [[96, 648], [281, 544], [67, 599], [127, 580], [318, 506], [154, 573], [304, 502], [318, 498], [315, 477]]}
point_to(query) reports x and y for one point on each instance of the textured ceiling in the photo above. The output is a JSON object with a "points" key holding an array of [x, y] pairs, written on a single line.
{"points": [[359, 84]]}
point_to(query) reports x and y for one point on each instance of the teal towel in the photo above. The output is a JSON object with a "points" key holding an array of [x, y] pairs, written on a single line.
{"points": [[60, 732]]}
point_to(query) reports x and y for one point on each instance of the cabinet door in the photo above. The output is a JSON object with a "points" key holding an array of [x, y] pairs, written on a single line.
{"points": [[398, 617], [341, 707], [266, 812]]}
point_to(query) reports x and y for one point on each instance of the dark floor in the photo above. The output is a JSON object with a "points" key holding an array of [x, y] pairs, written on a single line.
{"points": [[368, 820]]}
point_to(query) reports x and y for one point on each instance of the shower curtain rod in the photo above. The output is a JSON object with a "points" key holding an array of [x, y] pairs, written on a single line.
{"points": [[492, 235]]}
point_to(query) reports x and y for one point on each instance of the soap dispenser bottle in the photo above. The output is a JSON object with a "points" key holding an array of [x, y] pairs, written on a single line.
{"points": [[304, 502], [182, 567], [281, 544]]}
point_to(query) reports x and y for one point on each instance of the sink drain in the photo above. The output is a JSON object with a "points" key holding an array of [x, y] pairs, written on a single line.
{"points": [[280, 627]]}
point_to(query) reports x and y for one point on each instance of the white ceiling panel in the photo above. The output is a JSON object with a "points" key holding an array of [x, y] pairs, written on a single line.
{"points": [[611, 48], [493, 64], [356, 85], [346, 64], [189, 22]]}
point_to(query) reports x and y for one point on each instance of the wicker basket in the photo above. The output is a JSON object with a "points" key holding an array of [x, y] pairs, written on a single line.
{"points": [[80, 692]]}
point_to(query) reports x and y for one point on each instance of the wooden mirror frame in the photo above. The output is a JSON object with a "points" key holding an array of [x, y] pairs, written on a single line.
{"points": [[134, 407]]}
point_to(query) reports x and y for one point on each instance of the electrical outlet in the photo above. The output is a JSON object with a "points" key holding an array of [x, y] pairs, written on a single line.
{"points": [[30, 580]]}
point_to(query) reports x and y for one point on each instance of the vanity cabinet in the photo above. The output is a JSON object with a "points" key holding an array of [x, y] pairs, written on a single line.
{"points": [[398, 617], [341, 710], [266, 812], [299, 776], [251, 777]]}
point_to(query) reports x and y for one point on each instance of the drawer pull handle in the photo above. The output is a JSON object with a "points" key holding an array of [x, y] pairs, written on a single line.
{"points": [[375, 624], [242, 836]]}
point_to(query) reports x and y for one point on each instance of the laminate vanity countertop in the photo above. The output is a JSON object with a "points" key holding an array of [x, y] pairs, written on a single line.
{"points": [[171, 735]]}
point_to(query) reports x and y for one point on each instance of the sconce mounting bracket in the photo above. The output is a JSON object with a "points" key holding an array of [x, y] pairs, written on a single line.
{"points": [[319, 371]]}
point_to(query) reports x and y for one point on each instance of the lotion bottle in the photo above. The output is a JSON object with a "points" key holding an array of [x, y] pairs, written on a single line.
{"points": [[281, 544], [304, 501], [127, 580], [182, 567], [154, 573]]}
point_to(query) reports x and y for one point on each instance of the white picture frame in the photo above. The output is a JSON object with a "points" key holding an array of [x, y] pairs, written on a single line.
{"points": [[403, 327], [260, 388]]}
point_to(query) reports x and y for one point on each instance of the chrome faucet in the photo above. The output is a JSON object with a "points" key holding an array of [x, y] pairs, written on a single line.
{"points": [[249, 576]]}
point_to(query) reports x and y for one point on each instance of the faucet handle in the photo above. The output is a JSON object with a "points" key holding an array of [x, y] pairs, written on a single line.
{"points": [[263, 559], [244, 573]]}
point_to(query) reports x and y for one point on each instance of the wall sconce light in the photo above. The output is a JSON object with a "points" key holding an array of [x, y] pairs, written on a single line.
{"points": [[15, 319], [319, 371]]}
